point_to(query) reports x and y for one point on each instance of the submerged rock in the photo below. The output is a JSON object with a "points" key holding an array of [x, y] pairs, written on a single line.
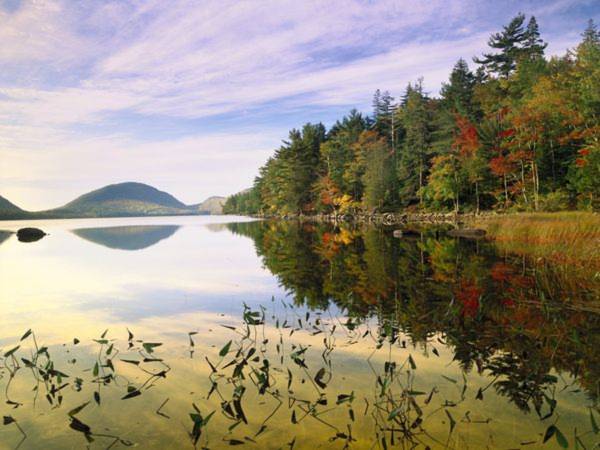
{"points": [[467, 232], [30, 234]]}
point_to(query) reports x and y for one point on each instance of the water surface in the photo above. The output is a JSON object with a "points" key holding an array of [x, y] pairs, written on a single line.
{"points": [[412, 342]]}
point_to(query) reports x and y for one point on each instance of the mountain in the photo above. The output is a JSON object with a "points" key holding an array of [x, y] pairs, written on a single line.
{"points": [[9, 210], [118, 200], [212, 205], [124, 199]]}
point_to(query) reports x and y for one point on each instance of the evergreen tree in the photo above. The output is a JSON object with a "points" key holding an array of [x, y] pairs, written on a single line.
{"points": [[378, 173], [416, 150], [457, 95], [508, 42], [533, 45]]}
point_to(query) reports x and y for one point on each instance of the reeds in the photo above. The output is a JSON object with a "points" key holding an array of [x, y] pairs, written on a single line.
{"points": [[572, 238]]}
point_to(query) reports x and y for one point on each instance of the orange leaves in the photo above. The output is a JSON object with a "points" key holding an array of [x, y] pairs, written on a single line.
{"points": [[466, 140], [501, 166]]}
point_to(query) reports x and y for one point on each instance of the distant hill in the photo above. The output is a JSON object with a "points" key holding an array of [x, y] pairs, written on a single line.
{"points": [[9, 210], [123, 199], [118, 200], [212, 205]]}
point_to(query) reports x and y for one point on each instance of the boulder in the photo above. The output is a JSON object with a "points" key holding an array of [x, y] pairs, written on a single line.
{"points": [[30, 234]]}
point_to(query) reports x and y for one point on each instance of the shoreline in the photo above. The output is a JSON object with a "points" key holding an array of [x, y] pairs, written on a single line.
{"points": [[393, 218]]}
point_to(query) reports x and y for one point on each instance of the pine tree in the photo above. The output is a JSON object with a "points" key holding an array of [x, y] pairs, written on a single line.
{"points": [[376, 104], [533, 45], [508, 42], [591, 35], [457, 95]]}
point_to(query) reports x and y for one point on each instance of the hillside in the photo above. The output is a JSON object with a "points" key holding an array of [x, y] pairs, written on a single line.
{"points": [[212, 205], [9, 210], [117, 200], [123, 199]]}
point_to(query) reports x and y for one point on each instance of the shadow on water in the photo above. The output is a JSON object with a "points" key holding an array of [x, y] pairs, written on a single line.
{"points": [[136, 237]]}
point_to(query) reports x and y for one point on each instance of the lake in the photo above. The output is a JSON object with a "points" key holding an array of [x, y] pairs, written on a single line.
{"points": [[175, 332]]}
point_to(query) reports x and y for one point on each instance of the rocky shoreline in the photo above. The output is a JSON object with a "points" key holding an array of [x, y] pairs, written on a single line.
{"points": [[398, 218]]}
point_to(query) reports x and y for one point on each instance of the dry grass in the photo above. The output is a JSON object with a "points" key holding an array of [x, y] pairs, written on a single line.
{"points": [[571, 238]]}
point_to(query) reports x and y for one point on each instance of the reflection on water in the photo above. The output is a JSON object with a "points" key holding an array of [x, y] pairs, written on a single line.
{"points": [[4, 235], [127, 237], [370, 341]]}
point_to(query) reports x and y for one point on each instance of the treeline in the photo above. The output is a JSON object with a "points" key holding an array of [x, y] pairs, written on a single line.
{"points": [[521, 132]]}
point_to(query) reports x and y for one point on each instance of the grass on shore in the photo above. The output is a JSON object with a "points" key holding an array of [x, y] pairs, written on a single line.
{"points": [[565, 237]]}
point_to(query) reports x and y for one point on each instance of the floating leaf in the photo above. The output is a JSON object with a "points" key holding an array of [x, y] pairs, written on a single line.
{"points": [[319, 378], [225, 349], [77, 410], [131, 394], [131, 361], [8, 420], [150, 346]]}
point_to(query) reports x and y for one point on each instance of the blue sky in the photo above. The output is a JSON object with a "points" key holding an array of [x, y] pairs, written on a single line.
{"points": [[193, 96]]}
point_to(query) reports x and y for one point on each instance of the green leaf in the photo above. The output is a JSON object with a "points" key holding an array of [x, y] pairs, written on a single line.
{"points": [[549, 433], [26, 335], [77, 410], [8, 420], [225, 349], [394, 413], [319, 378], [561, 439], [595, 428], [11, 351], [150, 346], [131, 394]]}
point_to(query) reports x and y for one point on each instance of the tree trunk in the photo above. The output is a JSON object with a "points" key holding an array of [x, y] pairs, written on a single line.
{"points": [[505, 192], [523, 182], [553, 165], [477, 197], [535, 185], [421, 185]]}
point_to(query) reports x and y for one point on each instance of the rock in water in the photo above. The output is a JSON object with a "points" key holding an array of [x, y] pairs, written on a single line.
{"points": [[467, 232], [30, 234]]}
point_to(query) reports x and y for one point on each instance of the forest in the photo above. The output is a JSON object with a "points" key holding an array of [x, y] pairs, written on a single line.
{"points": [[521, 132]]}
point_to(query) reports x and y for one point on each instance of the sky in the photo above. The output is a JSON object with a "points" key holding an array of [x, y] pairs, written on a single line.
{"points": [[193, 96]]}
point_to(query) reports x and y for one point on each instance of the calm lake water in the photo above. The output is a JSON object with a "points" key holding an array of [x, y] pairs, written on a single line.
{"points": [[294, 335]]}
